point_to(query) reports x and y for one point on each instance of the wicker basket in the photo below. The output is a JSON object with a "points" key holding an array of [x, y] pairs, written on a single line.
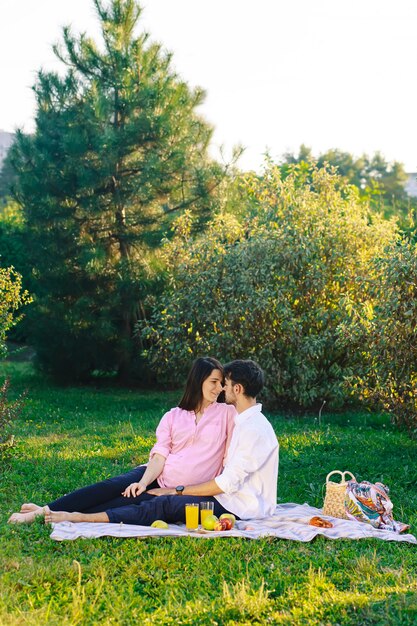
{"points": [[334, 500]]}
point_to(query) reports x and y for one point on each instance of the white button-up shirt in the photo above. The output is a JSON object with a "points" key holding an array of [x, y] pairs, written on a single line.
{"points": [[250, 476]]}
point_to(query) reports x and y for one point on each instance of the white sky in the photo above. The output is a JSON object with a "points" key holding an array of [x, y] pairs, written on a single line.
{"points": [[278, 73]]}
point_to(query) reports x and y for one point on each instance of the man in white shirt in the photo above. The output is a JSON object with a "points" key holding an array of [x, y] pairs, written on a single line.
{"points": [[247, 487], [248, 482]]}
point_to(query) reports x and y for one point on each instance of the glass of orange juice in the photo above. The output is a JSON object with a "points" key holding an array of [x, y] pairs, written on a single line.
{"points": [[206, 508], [191, 516]]}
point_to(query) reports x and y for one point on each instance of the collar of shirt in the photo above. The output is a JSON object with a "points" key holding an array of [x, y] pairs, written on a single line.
{"points": [[208, 408], [242, 417]]}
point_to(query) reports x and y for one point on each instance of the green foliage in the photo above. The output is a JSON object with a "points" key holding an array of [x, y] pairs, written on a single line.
{"points": [[7, 175], [9, 412], [7, 178], [12, 218], [12, 297], [14, 252], [389, 337], [278, 286], [118, 150], [13, 246], [378, 181], [73, 436]]}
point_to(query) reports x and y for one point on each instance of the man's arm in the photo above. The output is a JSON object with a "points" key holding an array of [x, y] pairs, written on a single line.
{"points": [[210, 488]]}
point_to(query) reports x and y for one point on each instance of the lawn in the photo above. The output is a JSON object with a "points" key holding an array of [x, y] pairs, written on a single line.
{"points": [[72, 436]]}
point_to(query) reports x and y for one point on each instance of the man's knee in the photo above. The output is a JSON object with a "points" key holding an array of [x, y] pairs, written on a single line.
{"points": [[173, 508]]}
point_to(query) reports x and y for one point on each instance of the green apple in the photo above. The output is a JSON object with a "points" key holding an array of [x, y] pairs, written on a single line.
{"points": [[209, 522], [158, 523], [229, 516]]}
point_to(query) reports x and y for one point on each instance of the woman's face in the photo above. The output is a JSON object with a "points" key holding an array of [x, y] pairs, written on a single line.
{"points": [[212, 386]]}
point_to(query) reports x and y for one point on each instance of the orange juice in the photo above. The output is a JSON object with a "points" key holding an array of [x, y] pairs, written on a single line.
{"points": [[204, 513], [191, 516]]}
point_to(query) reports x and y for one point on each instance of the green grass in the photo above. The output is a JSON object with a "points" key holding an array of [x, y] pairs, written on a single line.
{"points": [[73, 436]]}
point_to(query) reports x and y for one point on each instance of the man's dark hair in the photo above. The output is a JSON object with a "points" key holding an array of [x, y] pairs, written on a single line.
{"points": [[200, 370], [246, 373]]}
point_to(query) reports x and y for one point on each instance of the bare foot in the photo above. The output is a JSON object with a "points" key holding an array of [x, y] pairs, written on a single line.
{"points": [[60, 516], [64, 516], [30, 506], [24, 518]]}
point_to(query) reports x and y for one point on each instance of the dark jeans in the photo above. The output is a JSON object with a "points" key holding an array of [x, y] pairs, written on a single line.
{"points": [[104, 495], [168, 508]]}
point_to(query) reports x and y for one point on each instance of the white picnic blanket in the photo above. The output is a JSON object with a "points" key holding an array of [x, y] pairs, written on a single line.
{"points": [[290, 521]]}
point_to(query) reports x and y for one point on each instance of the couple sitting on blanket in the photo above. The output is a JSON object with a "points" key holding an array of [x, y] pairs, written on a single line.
{"points": [[205, 450]]}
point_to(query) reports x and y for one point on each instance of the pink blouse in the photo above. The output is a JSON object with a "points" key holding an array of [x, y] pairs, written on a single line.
{"points": [[194, 453]]}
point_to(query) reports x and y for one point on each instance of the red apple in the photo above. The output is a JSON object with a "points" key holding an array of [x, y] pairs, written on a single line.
{"points": [[228, 516], [227, 523]]}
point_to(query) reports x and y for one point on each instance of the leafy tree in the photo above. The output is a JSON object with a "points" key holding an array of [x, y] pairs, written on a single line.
{"points": [[7, 178], [278, 285], [379, 181], [119, 150]]}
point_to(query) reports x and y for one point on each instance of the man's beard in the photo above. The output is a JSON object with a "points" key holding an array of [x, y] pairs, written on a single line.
{"points": [[230, 400]]}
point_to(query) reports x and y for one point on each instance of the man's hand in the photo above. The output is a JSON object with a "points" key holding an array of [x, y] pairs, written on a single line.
{"points": [[162, 491], [135, 489]]}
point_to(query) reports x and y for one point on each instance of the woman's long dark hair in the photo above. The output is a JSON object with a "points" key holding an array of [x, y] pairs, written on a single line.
{"points": [[200, 370]]}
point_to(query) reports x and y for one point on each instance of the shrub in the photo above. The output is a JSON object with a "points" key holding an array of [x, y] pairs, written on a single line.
{"points": [[11, 299], [278, 286], [9, 412], [389, 379], [14, 252]]}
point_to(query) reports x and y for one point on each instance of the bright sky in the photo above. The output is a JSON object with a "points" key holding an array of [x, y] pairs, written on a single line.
{"points": [[278, 73]]}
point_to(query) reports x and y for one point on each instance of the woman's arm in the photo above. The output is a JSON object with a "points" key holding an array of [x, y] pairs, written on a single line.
{"points": [[153, 470], [157, 458]]}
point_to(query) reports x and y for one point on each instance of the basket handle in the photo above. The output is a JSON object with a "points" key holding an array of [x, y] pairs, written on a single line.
{"points": [[342, 474]]}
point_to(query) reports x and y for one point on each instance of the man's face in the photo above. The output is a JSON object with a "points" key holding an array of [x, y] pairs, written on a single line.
{"points": [[230, 395]]}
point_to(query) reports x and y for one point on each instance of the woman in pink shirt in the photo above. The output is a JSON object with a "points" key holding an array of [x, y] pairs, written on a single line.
{"points": [[191, 444]]}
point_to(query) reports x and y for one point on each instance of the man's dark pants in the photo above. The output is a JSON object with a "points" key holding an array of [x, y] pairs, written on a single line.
{"points": [[171, 509]]}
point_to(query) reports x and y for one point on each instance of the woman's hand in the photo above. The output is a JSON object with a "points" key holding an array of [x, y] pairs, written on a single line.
{"points": [[135, 489]]}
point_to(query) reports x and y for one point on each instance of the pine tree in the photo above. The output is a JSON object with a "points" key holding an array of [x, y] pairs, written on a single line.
{"points": [[118, 151]]}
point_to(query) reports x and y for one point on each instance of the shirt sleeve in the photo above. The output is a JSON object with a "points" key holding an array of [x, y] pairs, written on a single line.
{"points": [[163, 444], [251, 454]]}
